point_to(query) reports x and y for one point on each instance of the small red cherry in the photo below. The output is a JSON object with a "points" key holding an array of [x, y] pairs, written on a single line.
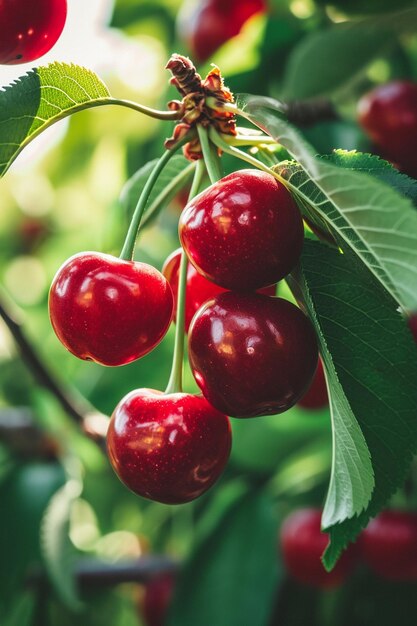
{"points": [[199, 289], [316, 395], [389, 545], [244, 232], [157, 598], [303, 543], [252, 355], [389, 115], [169, 448], [28, 30], [213, 22], [109, 310]]}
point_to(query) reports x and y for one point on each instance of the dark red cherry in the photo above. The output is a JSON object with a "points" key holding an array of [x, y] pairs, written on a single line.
{"points": [[213, 22], [302, 545], [412, 323], [109, 310], [170, 448], [244, 232], [389, 115], [199, 289], [389, 545], [252, 355], [28, 30], [157, 598], [316, 395]]}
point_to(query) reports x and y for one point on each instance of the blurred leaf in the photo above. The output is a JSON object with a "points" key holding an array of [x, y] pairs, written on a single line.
{"points": [[41, 97], [174, 177], [21, 612], [368, 216], [57, 550], [232, 577], [370, 360], [24, 495], [361, 7]]}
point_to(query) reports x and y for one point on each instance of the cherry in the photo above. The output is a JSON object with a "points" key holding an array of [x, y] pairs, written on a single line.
{"points": [[213, 22], [412, 324], [157, 598], [303, 543], [389, 545], [199, 289], [252, 355], [316, 395], [170, 448], [109, 310], [28, 30], [389, 114], [244, 232]]}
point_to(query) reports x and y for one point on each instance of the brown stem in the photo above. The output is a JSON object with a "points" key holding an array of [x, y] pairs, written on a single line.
{"points": [[81, 412]]}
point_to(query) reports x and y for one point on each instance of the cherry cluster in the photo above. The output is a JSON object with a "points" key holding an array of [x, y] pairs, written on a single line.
{"points": [[251, 353], [388, 546]]}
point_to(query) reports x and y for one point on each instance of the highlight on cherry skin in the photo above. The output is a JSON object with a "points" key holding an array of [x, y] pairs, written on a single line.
{"points": [[244, 232], [302, 544], [168, 447], [252, 355], [211, 23], [199, 289], [109, 310], [28, 30]]}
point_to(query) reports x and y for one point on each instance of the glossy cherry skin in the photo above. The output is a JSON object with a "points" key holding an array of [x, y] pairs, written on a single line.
{"points": [[244, 232], [302, 546], [389, 545], [169, 448], [199, 289], [28, 30], [389, 115], [213, 22], [316, 395], [252, 355], [108, 310], [157, 598]]}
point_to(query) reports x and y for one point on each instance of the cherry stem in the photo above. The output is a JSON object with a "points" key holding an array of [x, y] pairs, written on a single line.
{"points": [[132, 233], [175, 379], [243, 156], [211, 157], [141, 108]]}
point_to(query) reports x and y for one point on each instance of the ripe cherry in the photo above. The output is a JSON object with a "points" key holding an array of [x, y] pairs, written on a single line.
{"points": [[252, 355], [199, 289], [109, 310], [389, 115], [169, 448], [412, 324], [213, 22], [316, 395], [157, 598], [244, 232], [28, 30], [389, 545], [303, 543]]}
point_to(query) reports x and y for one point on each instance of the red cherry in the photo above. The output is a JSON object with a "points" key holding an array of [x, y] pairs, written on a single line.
{"points": [[389, 545], [389, 115], [28, 30], [316, 395], [213, 22], [169, 448], [252, 355], [303, 544], [412, 323], [157, 598], [244, 232], [199, 289], [109, 310]]}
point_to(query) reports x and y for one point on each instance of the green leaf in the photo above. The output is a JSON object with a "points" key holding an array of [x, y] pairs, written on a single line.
{"points": [[43, 96], [174, 177], [371, 364], [367, 215], [232, 576], [57, 550]]}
